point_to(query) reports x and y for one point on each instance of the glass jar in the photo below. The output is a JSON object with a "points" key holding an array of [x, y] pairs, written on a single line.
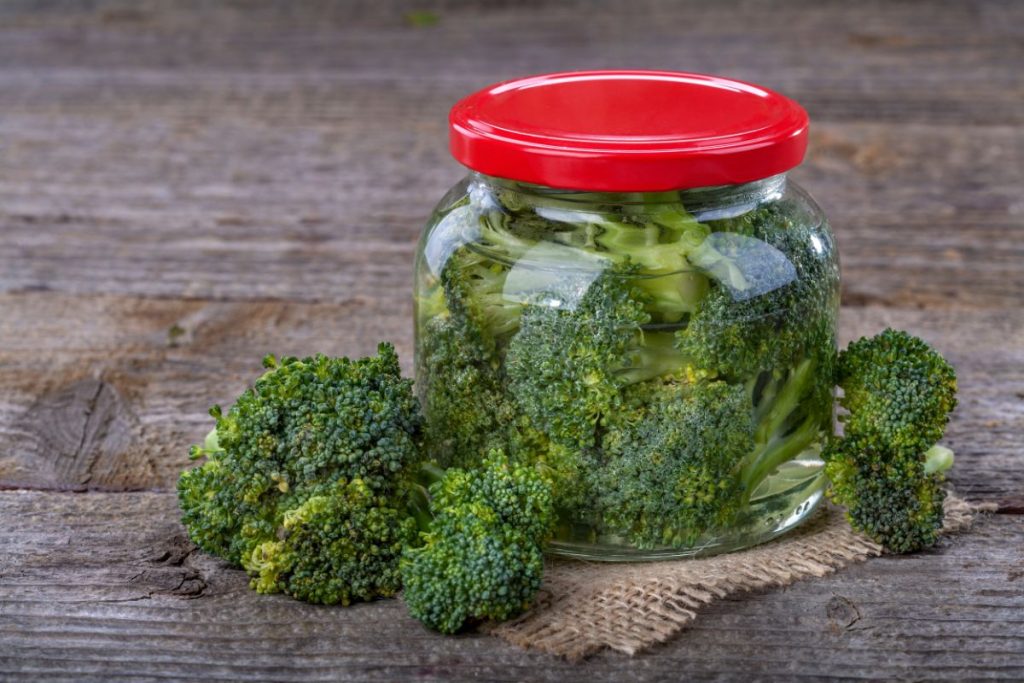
{"points": [[656, 341]]}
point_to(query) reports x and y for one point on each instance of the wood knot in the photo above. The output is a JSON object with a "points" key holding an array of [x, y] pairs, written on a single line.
{"points": [[842, 613], [174, 566], [81, 436]]}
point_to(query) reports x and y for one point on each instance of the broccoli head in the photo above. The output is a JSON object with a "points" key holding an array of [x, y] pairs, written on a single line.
{"points": [[563, 364], [340, 546], [462, 383], [886, 469], [317, 448], [481, 558], [673, 460], [774, 282], [897, 501], [897, 391]]}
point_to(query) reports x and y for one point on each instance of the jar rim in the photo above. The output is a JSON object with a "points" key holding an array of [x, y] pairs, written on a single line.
{"points": [[628, 131]]}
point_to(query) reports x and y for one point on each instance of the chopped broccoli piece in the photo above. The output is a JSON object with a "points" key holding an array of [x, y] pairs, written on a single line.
{"points": [[482, 556], [735, 334], [461, 378], [305, 479], [340, 546], [673, 461], [886, 469], [897, 391], [563, 363]]}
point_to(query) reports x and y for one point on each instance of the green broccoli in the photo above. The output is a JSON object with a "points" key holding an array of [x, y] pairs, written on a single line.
{"points": [[897, 391], [673, 460], [686, 454], [563, 363], [461, 390], [306, 478], [481, 558], [334, 547], [886, 469], [774, 284]]}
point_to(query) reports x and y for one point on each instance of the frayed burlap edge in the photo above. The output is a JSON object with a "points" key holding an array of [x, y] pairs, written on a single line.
{"points": [[585, 607]]}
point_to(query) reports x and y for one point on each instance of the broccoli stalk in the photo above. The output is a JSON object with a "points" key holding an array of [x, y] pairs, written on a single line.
{"points": [[785, 428]]}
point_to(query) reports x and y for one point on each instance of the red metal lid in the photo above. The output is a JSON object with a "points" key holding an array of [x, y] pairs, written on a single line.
{"points": [[628, 131]]}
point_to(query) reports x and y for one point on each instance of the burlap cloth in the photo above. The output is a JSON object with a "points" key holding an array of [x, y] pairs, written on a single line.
{"points": [[585, 607]]}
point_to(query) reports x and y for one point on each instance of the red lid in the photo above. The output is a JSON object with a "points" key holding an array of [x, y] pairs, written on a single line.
{"points": [[628, 131]]}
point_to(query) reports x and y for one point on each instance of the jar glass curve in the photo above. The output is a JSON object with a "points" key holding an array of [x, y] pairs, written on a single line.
{"points": [[665, 358]]}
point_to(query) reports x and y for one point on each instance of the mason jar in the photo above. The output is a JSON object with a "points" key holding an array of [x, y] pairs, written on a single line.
{"points": [[627, 292]]}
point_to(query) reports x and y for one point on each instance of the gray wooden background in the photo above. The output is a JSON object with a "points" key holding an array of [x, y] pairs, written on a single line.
{"points": [[186, 186]]}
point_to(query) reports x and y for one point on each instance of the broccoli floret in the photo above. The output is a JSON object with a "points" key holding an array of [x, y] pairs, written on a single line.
{"points": [[461, 389], [684, 455], [886, 469], [481, 558], [474, 287], [462, 385], [565, 368], [897, 391], [337, 547], [772, 295], [897, 501], [317, 448], [673, 460], [563, 365]]}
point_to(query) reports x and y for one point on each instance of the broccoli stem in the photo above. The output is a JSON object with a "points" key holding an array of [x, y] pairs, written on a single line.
{"points": [[776, 443], [655, 355], [937, 459], [210, 446], [778, 452]]}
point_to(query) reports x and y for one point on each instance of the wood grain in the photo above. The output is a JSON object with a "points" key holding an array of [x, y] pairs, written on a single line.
{"points": [[187, 186], [104, 586]]}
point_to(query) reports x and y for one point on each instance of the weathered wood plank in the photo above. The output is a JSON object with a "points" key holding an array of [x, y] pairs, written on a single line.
{"points": [[188, 150], [103, 586], [924, 215], [956, 63], [162, 363]]}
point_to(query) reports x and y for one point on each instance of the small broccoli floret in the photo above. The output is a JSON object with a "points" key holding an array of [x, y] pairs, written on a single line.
{"points": [[897, 501], [334, 548], [462, 385], [317, 448], [481, 558], [563, 364], [673, 461], [886, 469], [474, 287], [772, 295], [565, 368], [461, 388], [896, 390]]}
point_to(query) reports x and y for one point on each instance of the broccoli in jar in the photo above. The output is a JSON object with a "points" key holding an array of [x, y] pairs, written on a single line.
{"points": [[656, 367]]}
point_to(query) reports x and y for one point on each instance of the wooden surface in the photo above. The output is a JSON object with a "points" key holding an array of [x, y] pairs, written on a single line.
{"points": [[187, 186]]}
